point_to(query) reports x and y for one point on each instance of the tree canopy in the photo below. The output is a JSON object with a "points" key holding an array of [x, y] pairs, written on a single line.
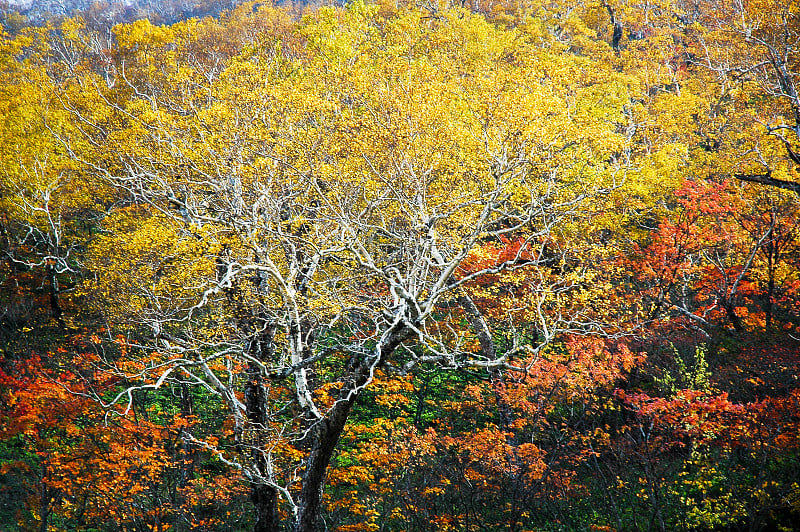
{"points": [[386, 266]]}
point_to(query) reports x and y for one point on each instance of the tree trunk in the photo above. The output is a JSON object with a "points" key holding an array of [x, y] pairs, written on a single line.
{"points": [[187, 455], [772, 256], [325, 435], [55, 306], [265, 502], [263, 497]]}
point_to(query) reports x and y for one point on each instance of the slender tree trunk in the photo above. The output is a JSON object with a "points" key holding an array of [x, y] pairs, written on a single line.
{"points": [[616, 27], [488, 350], [259, 343], [187, 455], [44, 502], [263, 497], [771, 259], [55, 306], [186, 458]]}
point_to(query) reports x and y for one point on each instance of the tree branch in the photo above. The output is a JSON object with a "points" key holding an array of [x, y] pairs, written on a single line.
{"points": [[767, 179]]}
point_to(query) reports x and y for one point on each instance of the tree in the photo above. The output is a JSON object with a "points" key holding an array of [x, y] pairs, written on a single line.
{"points": [[750, 52], [397, 253], [312, 211]]}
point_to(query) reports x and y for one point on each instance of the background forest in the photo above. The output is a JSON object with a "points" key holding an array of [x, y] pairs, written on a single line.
{"points": [[515, 265]]}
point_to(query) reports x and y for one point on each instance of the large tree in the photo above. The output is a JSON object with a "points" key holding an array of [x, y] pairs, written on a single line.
{"points": [[322, 199]]}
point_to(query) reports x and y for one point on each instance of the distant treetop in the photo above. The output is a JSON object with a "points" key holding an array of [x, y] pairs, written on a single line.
{"points": [[17, 13]]}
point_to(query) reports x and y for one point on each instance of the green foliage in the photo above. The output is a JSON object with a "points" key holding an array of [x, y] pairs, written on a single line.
{"points": [[691, 374]]}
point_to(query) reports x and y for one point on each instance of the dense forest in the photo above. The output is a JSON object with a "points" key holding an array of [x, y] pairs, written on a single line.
{"points": [[104, 14], [525, 265]]}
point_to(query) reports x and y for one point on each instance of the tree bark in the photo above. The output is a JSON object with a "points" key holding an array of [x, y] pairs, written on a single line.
{"points": [[263, 497], [265, 502], [325, 436], [616, 26], [55, 306], [325, 433], [767, 179]]}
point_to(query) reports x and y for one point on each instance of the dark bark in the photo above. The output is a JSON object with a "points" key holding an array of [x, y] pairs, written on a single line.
{"points": [[771, 252], [188, 453], [55, 306], [46, 496], [325, 433], [258, 334], [325, 436], [736, 321], [481, 328], [616, 25], [265, 502], [767, 179], [263, 497], [616, 37]]}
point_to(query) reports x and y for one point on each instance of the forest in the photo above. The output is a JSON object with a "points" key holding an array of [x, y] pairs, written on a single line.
{"points": [[394, 265]]}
